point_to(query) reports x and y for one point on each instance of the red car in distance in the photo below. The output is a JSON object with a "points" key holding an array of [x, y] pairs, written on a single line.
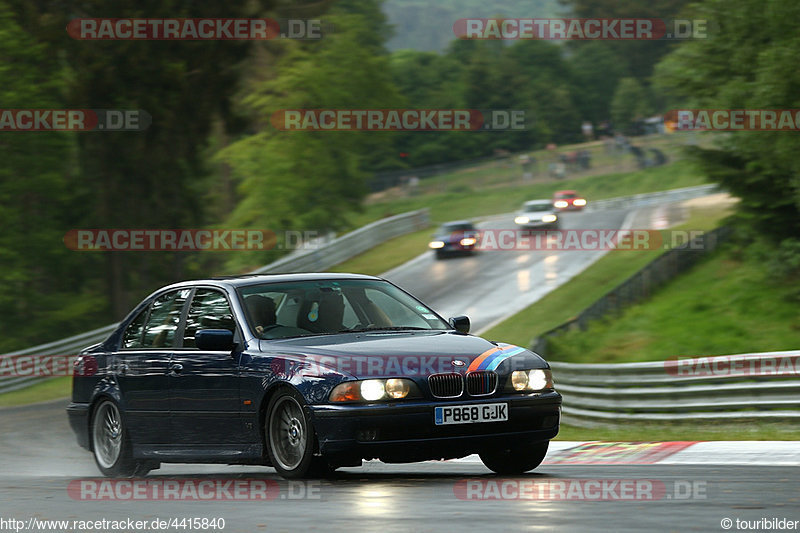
{"points": [[568, 201]]}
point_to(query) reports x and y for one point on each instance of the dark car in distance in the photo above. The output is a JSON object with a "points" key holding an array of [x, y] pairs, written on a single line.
{"points": [[305, 373], [454, 238]]}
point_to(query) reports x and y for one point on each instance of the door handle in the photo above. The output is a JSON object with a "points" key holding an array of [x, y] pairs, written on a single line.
{"points": [[175, 369]]}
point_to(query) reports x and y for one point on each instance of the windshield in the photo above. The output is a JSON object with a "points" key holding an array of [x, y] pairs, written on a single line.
{"points": [[325, 307], [535, 208], [566, 195], [449, 228]]}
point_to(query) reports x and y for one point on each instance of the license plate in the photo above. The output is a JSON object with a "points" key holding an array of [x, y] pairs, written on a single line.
{"points": [[470, 414]]}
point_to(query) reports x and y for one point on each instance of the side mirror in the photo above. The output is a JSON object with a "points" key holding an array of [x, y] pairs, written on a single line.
{"points": [[214, 340], [460, 323]]}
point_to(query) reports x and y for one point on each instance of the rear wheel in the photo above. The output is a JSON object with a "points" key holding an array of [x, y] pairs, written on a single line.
{"points": [[111, 445], [516, 459], [291, 439]]}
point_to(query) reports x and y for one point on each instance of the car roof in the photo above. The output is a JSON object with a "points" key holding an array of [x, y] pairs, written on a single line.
{"points": [[257, 279], [538, 202], [457, 222]]}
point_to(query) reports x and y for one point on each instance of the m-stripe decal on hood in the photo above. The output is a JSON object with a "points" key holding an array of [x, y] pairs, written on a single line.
{"points": [[491, 359]]}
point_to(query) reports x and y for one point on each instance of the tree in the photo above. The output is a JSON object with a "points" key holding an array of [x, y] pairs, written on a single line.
{"points": [[312, 180], [751, 64], [629, 104], [35, 199], [596, 72]]}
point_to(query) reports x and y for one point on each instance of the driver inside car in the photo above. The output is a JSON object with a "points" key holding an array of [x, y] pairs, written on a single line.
{"points": [[262, 311]]}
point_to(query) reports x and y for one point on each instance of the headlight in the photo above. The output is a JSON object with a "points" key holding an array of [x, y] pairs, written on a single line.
{"points": [[397, 388], [579, 202], [537, 379], [549, 218], [531, 380], [560, 203], [373, 390], [522, 220], [468, 241], [519, 379], [436, 244]]}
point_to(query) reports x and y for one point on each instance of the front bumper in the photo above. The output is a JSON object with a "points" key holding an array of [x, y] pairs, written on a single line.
{"points": [[539, 225], [406, 432], [455, 249], [78, 414]]}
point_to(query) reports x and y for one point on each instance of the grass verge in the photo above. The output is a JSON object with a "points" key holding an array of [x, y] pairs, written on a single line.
{"points": [[50, 389], [388, 255], [468, 202], [726, 304], [584, 289]]}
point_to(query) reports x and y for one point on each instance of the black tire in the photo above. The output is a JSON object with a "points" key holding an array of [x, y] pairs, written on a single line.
{"points": [[291, 439], [516, 459], [111, 445]]}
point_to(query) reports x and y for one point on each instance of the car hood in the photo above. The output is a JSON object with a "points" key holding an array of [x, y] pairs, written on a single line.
{"points": [[387, 354]]}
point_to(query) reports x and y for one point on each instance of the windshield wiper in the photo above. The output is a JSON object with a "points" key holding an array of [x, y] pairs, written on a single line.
{"points": [[384, 328]]}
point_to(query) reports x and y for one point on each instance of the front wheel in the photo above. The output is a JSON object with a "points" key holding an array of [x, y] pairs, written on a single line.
{"points": [[111, 445], [291, 438], [516, 459]]}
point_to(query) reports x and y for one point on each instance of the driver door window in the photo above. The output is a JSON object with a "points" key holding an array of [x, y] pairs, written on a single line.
{"points": [[209, 310]]}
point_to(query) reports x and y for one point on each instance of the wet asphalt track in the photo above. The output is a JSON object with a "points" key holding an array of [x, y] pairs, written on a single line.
{"points": [[40, 459], [488, 286]]}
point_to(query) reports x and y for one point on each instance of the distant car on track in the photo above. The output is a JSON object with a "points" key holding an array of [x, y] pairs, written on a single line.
{"points": [[306, 373], [568, 201], [454, 238], [537, 214]]}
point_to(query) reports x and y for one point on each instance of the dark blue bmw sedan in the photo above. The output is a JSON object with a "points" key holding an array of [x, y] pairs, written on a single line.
{"points": [[305, 373]]}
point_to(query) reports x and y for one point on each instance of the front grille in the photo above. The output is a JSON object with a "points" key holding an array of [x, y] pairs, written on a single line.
{"points": [[446, 385], [481, 383]]}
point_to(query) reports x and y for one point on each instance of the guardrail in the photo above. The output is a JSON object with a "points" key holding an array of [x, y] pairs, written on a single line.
{"points": [[321, 258], [69, 346], [759, 386], [651, 198], [640, 285], [349, 245]]}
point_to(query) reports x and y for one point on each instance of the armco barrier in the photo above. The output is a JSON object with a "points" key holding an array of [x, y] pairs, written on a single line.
{"points": [[652, 198], [349, 245], [747, 386]]}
